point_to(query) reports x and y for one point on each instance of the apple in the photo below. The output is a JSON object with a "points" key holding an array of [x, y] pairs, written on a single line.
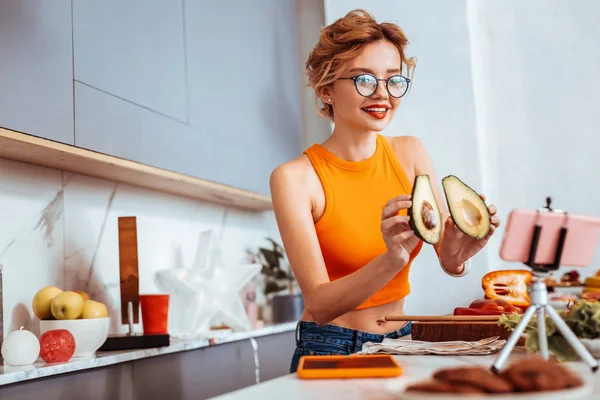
{"points": [[57, 345], [67, 305], [83, 294], [42, 301], [94, 309]]}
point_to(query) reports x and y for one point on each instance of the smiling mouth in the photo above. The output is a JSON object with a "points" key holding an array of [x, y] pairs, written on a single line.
{"points": [[376, 112]]}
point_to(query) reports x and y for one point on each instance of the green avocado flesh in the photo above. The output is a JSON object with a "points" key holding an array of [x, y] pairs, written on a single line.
{"points": [[467, 208], [425, 217]]}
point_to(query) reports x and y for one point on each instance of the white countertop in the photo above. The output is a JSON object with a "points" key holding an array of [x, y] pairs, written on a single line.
{"points": [[11, 374], [415, 367]]}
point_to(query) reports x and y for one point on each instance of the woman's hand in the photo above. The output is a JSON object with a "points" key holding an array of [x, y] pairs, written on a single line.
{"points": [[399, 238], [456, 247]]}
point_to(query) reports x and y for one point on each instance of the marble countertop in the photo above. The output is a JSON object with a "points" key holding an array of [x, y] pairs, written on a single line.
{"points": [[12, 374], [415, 367]]}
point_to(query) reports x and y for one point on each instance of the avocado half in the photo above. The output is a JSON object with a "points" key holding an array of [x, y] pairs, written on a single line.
{"points": [[468, 210], [425, 217]]}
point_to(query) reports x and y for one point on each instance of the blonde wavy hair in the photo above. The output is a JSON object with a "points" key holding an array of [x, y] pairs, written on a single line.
{"points": [[343, 40]]}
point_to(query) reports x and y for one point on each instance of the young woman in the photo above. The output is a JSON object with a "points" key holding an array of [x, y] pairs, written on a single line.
{"points": [[341, 207]]}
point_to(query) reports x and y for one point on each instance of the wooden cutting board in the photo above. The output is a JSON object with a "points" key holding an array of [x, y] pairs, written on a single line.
{"points": [[442, 331], [442, 328]]}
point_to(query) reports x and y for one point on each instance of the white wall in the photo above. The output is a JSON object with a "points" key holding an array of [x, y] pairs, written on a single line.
{"points": [[310, 18], [505, 95], [536, 66]]}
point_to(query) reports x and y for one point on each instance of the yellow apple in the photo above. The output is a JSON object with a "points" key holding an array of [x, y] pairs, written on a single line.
{"points": [[83, 294], [94, 309], [67, 305], [42, 300]]}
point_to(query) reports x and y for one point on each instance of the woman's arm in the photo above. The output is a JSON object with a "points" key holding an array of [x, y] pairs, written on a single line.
{"points": [[326, 300]]}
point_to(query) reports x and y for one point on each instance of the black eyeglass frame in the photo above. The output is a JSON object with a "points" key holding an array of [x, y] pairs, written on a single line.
{"points": [[387, 81]]}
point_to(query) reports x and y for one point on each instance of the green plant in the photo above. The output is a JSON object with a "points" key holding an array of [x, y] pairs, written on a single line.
{"points": [[277, 275], [583, 318]]}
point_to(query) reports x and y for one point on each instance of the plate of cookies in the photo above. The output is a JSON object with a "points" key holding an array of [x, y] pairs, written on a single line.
{"points": [[531, 378]]}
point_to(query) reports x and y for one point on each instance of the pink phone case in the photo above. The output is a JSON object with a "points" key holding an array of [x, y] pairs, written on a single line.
{"points": [[580, 243]]}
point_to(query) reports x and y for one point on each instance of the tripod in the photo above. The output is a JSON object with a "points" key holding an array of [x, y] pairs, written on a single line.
{"points": [[539, 303]]}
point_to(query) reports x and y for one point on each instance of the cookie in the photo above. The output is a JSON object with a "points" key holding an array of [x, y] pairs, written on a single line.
{"points": [[474, 376], [443, 387], [536, 374]]}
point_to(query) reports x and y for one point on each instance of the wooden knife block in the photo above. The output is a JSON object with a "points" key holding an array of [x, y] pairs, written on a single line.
{"points": [[442, 331], [129, 273]]}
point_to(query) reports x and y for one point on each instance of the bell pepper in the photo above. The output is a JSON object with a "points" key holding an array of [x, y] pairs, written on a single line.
{"points": [[475, 311], [591, 296], [511, 286], [487, 307]]}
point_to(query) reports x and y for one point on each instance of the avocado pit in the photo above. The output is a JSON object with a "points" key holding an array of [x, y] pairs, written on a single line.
{"points": [[428, 216], [425, 218]]}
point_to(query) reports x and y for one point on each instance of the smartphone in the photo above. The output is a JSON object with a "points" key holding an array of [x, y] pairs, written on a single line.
{"points": [[580, 242], [353, 366]]}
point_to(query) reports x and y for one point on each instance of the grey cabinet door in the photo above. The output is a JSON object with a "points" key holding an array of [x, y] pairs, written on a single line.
{"points": [[134, 51], [208, 89], [36, 73], [244, 85]]}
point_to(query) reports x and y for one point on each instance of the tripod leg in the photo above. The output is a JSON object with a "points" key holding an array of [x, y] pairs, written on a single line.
{"points": [[573, 340], [513, 338], [542, 338]]}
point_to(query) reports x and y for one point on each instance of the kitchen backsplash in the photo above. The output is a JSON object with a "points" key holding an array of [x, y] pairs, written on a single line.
{"points": [[60, 228]]}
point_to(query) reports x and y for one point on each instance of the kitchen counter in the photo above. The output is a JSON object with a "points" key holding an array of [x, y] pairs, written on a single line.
{"points": [[12, 374], [415, 367]]}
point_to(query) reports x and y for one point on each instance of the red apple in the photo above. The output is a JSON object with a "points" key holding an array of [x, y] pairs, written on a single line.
{"points": [[57, 345]]}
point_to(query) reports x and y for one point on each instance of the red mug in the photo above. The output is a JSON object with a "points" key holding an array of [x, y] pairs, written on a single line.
{"points": [[155, 312]]}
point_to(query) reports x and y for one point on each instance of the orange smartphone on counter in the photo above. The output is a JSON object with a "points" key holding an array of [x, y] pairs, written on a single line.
{"points": [[353, 366]]}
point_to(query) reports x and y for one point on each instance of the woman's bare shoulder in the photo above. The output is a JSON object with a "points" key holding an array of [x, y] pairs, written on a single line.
{"points": [[294, 181], [405, 144], [298, 172], [409, 150]]}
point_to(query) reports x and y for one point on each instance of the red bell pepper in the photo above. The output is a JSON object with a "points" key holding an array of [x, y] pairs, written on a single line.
{"points": [[487, 307]]}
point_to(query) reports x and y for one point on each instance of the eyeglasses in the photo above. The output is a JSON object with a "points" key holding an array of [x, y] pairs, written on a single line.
{"points": [[366, 84]]}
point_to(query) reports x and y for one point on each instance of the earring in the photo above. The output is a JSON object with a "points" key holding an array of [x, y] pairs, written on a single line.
{"points": [[329, 100]]}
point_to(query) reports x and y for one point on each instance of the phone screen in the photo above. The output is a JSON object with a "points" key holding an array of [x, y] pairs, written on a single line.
{"points": [[350, 362]]}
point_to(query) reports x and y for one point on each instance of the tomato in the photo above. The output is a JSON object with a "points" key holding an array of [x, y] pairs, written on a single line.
{"points": [[511, 286]]}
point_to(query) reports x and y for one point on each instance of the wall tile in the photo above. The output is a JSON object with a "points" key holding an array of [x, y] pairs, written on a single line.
{"points": [[31, 238]]}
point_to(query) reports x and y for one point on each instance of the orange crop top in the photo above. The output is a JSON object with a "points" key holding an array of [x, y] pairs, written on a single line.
{"points": [[349, 230]]}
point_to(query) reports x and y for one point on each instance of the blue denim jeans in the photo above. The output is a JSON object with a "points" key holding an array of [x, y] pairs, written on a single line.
{"points": [[312, 339]]}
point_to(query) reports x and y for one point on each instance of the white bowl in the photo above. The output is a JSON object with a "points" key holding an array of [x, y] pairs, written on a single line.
{"points": [[89, 334]]}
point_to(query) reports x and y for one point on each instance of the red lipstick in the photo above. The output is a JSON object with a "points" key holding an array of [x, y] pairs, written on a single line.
{"points": [[378, 111]]}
